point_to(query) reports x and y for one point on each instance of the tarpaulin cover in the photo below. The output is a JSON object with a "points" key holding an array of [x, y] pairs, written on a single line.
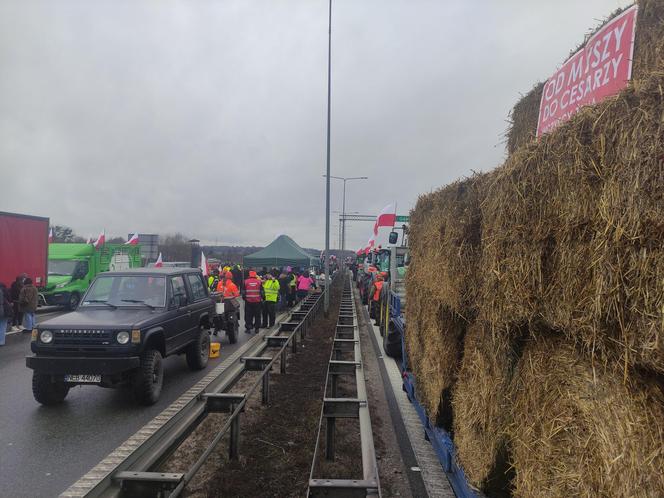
{"points": [[281, 252]]}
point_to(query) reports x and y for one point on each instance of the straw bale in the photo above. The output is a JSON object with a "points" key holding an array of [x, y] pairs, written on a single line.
{"points": [[480, 401], [444, 241], [523, 119], [581, 430]]}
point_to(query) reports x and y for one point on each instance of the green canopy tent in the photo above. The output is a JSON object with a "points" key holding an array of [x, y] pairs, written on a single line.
{"points": [[282, 251]]}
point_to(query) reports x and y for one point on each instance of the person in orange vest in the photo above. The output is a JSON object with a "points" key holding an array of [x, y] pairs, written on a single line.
{"points": [[374, 293], [253, 297], [227, 288]]}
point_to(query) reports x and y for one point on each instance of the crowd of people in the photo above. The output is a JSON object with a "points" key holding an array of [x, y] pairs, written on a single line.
{"points": [[265, 292], [18, 305]]}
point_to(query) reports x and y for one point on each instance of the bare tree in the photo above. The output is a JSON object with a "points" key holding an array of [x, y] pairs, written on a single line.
{"points": [[175, 247], [62, 233]]}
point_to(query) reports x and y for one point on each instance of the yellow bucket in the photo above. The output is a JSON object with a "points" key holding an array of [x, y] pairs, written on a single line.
{"points": [[215, 347]]}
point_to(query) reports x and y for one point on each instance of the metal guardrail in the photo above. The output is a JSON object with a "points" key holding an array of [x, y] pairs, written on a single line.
{"points": [[346, 340], [130, 470]]}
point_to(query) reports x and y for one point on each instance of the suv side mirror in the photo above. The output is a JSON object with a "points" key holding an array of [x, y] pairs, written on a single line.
{"points": [[394, 236]]}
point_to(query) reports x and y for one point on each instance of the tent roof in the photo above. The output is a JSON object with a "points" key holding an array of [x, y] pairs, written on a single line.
{"points": [[282, 251]]}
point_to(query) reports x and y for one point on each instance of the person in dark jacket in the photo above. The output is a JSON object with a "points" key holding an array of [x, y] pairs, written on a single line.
{"points": [[284, 289], [6, 311], [28, 300], [14, 294], [237, 276]]}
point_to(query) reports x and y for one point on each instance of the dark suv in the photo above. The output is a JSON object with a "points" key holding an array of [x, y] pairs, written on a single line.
{"points": [[125, 324]]}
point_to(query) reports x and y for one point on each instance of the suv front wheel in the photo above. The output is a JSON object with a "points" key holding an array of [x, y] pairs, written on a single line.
{"points": [[198, 351], [149, 378], [46, 391]]}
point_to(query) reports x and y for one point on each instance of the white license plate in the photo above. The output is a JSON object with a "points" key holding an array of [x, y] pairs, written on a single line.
{"points": [[84, 378]]}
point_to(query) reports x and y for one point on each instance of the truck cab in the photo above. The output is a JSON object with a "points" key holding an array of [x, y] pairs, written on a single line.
{"points": [[72, 267]]}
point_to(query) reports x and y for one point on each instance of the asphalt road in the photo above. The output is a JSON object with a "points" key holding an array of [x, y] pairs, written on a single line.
{"points": [[43, 450]]}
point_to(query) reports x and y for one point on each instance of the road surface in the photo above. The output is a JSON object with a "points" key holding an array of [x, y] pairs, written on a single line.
{"points": [[43, 450]]}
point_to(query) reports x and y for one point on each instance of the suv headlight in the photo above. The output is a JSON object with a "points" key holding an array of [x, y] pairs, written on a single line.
{"points": [[60, 286], [122, 337], [46, 336]]}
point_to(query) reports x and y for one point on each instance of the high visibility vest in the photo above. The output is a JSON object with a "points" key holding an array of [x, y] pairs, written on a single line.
{"points": [[229, 290], [293, 281], [379, 286], [252, 290], [271, 288]]}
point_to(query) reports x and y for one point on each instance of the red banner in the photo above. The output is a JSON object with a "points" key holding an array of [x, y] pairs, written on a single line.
{"points": [[600, 69]]}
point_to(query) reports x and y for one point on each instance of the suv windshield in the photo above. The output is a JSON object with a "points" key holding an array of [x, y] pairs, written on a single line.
{"points": [[127, 290], [61, 266]]}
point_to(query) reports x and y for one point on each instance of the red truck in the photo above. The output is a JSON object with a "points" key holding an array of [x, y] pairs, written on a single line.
{"points": [[23, 247]]}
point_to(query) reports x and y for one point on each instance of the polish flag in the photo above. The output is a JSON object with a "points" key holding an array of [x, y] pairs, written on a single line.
{"points": [[204, 267], [101, 240], [159, 263], [386, 218], [133, 240], [370, 245], [50, 235]]}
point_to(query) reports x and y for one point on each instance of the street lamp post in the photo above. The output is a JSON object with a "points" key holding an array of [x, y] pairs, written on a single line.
{"points": [[343, 208], [326, 298]]}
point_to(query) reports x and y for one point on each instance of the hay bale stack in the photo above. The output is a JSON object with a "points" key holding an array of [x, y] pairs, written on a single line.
{"points": [[579, 430], [480, 402], [572, 230], [442, 284]]}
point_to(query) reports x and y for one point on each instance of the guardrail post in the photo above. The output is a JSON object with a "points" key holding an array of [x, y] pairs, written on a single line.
{"points": [[234, 450], [265, 398], [294, 345], [284, 355]]}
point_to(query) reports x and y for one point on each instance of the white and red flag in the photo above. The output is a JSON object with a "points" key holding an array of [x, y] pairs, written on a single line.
{"points": [[101, 240], [89, 241], [133, 240], [204, 267], [159, 263], [386, 218], [50, 235], [370, 245]]}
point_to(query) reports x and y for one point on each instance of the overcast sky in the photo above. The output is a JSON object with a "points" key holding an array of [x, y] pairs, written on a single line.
{"points": [[208, 117]]}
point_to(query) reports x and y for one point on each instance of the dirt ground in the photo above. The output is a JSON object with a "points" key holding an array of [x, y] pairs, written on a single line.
{"points": [[277, 442]]}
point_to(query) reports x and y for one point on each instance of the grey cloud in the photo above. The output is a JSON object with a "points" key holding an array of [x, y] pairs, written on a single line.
{"points": [[170, 116]]}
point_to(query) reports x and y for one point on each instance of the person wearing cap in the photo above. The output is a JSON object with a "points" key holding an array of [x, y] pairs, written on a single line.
{"points": [[253, 296], [271, 291], [227, 288]]}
